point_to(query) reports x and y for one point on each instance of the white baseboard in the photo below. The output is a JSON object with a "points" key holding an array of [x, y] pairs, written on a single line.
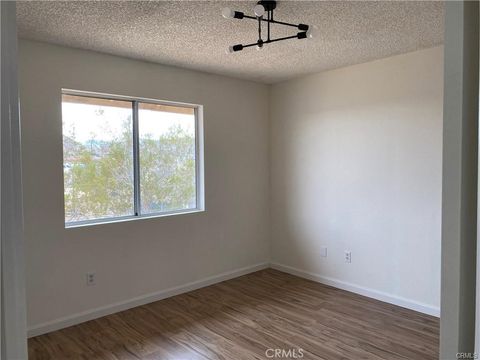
{"points": [[78, 318], [375, 294]]}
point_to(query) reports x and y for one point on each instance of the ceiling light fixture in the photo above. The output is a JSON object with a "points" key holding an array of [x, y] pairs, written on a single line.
{"points": [[265, 7]]}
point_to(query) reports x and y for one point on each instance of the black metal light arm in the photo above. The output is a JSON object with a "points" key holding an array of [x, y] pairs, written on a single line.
{"points": [[303, 27], [239, 47]]}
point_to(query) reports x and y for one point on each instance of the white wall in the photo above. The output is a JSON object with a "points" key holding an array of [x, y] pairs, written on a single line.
{"points": [[13, 344], [460, 179], [139, 257], [356, 161]]}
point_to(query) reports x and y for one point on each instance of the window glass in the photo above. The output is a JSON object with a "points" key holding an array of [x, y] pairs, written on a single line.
{"points": [[98, 158], [167, 158]]}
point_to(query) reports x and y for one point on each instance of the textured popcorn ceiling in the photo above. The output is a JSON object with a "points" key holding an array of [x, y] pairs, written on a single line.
{"points": [[193, 34]]}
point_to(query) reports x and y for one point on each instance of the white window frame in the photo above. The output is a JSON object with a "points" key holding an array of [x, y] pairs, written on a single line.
{"points": [[199, 159]]}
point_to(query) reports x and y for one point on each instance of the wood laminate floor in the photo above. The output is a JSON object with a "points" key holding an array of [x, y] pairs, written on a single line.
{"points": [[243, 318]]}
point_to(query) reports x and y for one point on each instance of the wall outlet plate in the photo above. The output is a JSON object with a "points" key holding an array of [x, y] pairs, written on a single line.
{"points": [[323, 251], [91, 279], [348, 257]]}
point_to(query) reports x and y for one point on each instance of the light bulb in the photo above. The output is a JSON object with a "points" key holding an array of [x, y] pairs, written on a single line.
{"points": [[228, 13], [229, 50], [259, 10], [234, 48], [311, 32]]}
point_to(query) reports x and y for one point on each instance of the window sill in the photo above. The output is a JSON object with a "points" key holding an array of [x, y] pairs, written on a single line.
{"points": [[122, 219]]}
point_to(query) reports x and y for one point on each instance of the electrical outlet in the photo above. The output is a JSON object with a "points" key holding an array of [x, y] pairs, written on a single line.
{"points": [[323, 251], [91, 279], [348, 257]]}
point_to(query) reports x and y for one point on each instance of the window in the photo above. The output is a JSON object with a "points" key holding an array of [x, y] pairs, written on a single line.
{"points": [[127, 158]]}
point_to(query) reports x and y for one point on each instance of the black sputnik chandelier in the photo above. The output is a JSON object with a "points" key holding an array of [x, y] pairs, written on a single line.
{"points": [[264, 14]]}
